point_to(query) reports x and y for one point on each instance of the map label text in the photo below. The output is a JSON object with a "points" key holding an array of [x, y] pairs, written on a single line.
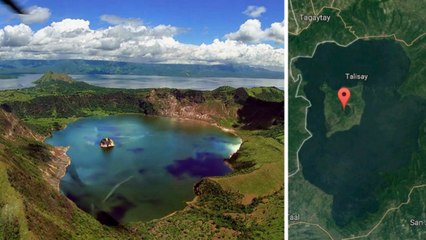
{"points": [[294, 217], [414, 222], [314, 18], [356, 76]]}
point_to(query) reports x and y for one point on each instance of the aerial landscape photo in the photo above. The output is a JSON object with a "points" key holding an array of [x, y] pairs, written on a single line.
{"points": [[142, 119], [357, 118]]}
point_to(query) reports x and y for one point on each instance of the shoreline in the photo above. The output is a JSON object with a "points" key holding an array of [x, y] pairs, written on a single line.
{"points": [[56, 169]]}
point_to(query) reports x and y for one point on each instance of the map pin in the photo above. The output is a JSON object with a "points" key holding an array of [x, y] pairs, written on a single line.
{"points": [[344, 94]]}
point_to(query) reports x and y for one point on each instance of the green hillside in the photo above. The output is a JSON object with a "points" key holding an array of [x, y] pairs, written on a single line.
{"points": [[33, 209]]}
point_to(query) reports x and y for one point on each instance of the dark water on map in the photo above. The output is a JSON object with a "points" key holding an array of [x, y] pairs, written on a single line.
{"points": [[351, 165]]}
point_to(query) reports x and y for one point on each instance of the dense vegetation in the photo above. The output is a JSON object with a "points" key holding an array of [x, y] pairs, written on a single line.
{"points": [[248, 204], [353, 20]]}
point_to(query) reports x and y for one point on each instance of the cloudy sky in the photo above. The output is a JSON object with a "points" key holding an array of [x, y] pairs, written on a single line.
{"points": [[249, 32]]}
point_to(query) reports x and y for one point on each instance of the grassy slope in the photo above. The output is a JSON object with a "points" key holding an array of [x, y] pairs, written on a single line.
{"points": [[364, 18], [30, 208], [12, 215], [212, 215], [266, 176]]}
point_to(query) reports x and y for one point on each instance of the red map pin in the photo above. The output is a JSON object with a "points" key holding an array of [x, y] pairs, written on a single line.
{"points": [[344, 94]]}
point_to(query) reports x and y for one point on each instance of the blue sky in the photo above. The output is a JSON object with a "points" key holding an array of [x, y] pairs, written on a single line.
{"points": [[194, 21]]}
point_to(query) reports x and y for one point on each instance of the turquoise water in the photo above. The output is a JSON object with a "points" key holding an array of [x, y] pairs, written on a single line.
{"points": [[151, 170]]}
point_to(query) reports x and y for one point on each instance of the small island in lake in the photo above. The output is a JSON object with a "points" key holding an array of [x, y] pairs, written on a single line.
{"points": [[158, 150], [106, 143]]}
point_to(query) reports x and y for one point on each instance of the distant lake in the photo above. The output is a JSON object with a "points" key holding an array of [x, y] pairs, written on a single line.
{"points": [[141, 81], [19, 81], [149, 173]]}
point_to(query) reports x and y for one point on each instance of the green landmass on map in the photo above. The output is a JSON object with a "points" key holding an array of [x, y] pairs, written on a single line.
{"points": [[401, 199], [338, 119]]}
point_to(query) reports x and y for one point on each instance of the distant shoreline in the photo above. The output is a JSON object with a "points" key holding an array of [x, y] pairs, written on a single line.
{"points": [[113, 81]]}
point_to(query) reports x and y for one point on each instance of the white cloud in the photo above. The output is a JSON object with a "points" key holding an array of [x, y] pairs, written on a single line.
{"points": [[254, 11], [15, 36], [276, 32], [251, 32], [35, 14], [75, 39], [165, 30], [116, 20], [71, 25], [230, 51]]}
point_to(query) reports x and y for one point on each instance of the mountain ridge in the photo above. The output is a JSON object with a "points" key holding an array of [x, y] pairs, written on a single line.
{"points": [[29, 176], [53, 76], [79, 66]]}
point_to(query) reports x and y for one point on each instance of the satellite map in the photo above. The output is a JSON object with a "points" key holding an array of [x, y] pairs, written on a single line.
{"points": [[357, 119]]}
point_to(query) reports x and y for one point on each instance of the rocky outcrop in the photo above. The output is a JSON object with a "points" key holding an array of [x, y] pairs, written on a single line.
{"points": [[25, 155], [106, 143], [189, 105], [259, 114], [258, 108], [52, 161], [56, 168], [12, 127]]}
